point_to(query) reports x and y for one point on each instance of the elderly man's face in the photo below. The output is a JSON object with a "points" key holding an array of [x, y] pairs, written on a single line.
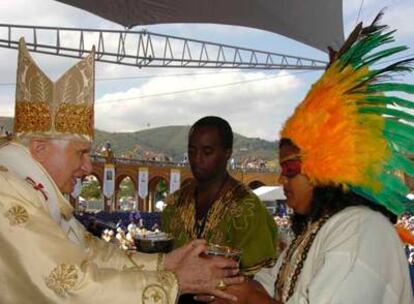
{"points": [[65, 160]]}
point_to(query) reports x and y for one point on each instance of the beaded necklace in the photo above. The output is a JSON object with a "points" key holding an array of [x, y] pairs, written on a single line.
{"points": [[295, 258]]}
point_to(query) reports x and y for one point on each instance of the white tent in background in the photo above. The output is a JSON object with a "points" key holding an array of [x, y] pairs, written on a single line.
{"points": [[270, 193]]}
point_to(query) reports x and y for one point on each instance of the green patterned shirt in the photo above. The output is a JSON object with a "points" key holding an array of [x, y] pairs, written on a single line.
{"points": [[237, 219]]}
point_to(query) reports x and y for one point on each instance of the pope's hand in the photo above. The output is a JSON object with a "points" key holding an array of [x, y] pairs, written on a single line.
{"points": [[199, 274]]}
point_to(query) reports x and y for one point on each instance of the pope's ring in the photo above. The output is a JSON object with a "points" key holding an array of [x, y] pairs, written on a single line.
{"points": [[221, 285]]}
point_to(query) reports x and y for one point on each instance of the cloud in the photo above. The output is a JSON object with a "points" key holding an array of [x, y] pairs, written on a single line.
{"points": [[400, 17], [351, 7], [253, 108], [43, 13], [6, 105], [397, 14]]}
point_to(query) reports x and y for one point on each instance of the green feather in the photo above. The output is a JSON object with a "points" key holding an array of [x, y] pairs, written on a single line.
{"points": [[374, 76], [387, 100], [390, 87], [392, 200], [354, 55], [402, 144], [382, 54], [386, 111], [400, 162], [402, 67], [399, 128]]}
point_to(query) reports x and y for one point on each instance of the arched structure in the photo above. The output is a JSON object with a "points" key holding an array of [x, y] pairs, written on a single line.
{"points": [[152, 188], [158, 171], [118, 181]]}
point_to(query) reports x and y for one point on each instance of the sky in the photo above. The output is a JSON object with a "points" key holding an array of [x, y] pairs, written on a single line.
{"points": [[256, 103]]}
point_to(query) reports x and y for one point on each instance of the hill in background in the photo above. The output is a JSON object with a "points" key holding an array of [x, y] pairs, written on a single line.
{"points": [[170, 142], [6, 123]]}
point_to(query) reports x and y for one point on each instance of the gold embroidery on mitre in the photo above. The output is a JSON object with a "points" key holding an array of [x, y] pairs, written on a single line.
{"points": [[73, 118], [62, 279], [154, 294], [32, 117], [17, 215], [60, 109]]}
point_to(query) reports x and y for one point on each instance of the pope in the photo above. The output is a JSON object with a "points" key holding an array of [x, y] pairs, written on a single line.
{"points": [[47, 256]]}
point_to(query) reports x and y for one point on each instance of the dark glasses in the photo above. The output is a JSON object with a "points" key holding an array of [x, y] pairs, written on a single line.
{"points": [[291, 167]]}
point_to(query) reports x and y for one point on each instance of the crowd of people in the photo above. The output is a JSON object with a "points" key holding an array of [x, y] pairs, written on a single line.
{"points": [[253, 163], [339, 153]]}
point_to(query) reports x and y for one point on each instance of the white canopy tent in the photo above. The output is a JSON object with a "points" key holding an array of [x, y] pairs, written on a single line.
{"points": [[270, 193], [317, 23]]}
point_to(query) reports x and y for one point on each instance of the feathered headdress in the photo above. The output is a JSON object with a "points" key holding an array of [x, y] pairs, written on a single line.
{"points": [[350, 131]]}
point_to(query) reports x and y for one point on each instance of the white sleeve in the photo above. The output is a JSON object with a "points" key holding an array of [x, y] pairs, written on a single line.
{"points": [[267, 276]]}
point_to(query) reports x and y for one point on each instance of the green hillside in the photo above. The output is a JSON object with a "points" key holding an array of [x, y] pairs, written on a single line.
{"points": [[170, 141], [6, 123]]}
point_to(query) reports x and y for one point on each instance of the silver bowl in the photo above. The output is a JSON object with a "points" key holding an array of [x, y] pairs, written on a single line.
{"points": [[153, 244], [224, 251]]}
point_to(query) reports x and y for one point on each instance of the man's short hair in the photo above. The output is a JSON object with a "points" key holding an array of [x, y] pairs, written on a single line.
{"points": [[222, 126]]}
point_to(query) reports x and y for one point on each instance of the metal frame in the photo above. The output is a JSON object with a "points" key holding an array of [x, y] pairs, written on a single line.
{"points": [[147, 49]]}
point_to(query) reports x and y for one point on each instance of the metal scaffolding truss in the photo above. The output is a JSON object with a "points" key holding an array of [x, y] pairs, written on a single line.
{"points": [[147, 49]]}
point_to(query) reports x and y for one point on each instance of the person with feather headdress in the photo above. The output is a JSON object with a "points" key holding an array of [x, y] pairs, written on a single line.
{"points": [[339, 155]]}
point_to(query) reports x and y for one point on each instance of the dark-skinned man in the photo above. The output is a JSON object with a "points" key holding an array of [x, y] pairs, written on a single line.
{"points": [[215, 206]]}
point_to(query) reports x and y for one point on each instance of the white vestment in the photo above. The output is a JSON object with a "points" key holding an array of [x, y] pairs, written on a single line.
{"points": [[46, 256], [356, 258]]}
